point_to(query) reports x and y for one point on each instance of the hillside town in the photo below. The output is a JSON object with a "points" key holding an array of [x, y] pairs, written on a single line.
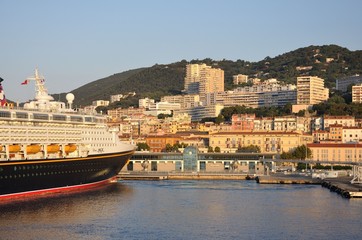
{"points": [[328, 138]]}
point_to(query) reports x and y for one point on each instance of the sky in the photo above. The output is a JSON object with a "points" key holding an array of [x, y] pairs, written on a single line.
{"points": [[75, 42]]}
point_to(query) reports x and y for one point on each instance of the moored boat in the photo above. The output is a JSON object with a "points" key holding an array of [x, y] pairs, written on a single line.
{"points": [[48, 146]]}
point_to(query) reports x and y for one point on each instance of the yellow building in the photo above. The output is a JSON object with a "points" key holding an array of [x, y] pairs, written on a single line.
{"points": [[336, 152], [268, 141], [310, 90], [357, 93]]}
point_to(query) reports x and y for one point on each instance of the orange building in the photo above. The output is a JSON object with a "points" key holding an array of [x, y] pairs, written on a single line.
{"points": [[157, 143], [242, 122], [335, 132]]}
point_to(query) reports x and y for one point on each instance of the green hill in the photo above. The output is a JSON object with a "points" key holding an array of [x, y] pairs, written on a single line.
{"points": [[328, 62]]}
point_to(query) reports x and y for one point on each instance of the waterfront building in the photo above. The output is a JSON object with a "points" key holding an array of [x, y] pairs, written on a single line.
{"points": [[336, 152], [240, 78], [343, 83], [310, 90], [191, 160], [357, 93], [268, 141]]}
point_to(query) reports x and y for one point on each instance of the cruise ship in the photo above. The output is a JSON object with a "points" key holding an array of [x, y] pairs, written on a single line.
{"points": [[47, 146]]}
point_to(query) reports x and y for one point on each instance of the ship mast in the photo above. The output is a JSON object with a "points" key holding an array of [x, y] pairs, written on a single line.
{"points": [[41, 93]]}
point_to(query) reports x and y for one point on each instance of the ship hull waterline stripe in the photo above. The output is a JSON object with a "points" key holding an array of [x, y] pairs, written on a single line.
{"points": [[66, 189], [63, 159]]}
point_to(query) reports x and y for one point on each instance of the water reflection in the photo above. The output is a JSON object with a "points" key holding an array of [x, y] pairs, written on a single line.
{"points": [[55, 216], [186, 210]]}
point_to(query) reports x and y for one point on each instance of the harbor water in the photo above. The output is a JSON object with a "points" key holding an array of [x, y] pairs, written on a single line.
{"points": [[186, 210]]}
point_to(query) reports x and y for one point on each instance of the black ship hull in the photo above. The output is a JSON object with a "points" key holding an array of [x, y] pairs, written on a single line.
{"points": [[18, 178]]}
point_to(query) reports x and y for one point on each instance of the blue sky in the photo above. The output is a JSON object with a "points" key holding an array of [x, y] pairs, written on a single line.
{"points": [[74, 42]]}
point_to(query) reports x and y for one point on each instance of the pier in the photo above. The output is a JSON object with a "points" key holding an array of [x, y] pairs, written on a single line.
{"points": [[343, 187], [183, 176], [340, 185]]}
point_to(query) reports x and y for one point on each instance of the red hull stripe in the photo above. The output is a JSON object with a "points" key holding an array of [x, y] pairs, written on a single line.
{"points": [[66, 189]]}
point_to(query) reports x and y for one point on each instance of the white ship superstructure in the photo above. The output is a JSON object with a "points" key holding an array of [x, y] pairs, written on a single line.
{"points": [[48, 129], [47, 146]]}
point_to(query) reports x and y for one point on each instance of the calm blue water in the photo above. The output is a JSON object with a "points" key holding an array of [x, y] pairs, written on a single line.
{"points": [[187, 210]]}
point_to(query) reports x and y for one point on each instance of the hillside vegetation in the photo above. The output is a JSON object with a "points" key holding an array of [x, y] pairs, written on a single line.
{"points": [[328, 62]]}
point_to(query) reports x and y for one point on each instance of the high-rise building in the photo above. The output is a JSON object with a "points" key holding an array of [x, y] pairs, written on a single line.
{"points": [[201, 79], [357, 93], [310, 90]]}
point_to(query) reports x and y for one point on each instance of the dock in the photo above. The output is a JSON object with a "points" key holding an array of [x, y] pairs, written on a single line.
{"points": [[287, 179], [340, 185], [183, 176], [343, 187]]}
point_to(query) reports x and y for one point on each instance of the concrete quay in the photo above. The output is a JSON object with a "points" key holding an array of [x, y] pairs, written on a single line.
{"points": [[183, 176], [287, 179], [343, 187], [340, 185]]}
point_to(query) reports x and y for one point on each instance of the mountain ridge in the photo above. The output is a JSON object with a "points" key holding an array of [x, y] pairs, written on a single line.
{"points": [[327, 61]]}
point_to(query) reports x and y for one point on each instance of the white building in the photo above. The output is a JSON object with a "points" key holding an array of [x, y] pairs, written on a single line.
{"points": [[146, 103], [98, 103]]}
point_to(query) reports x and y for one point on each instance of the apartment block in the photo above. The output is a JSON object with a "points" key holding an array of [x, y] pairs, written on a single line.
{"points": [[240, 78], [201, 79], [343, 83], [242, 122], [357, 93], [345, 121], [200, 112], [255, 96], [186, 101], [310, 90]]}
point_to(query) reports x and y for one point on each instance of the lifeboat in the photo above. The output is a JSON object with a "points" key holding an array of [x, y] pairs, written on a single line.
{"points": [[1, 148], [14, 148], [70, 148], [32, 149], [53, 148]]}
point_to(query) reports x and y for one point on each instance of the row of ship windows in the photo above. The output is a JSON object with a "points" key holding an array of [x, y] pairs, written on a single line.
{"points": [[27, 167], [46, 173], [37, 116]]}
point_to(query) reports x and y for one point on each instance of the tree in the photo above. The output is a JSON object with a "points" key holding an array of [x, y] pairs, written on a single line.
{"points": [[302, 152], [249, 149], [210, 149], [143, 146], [217, 149], [168, 148], [220, 119]]}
